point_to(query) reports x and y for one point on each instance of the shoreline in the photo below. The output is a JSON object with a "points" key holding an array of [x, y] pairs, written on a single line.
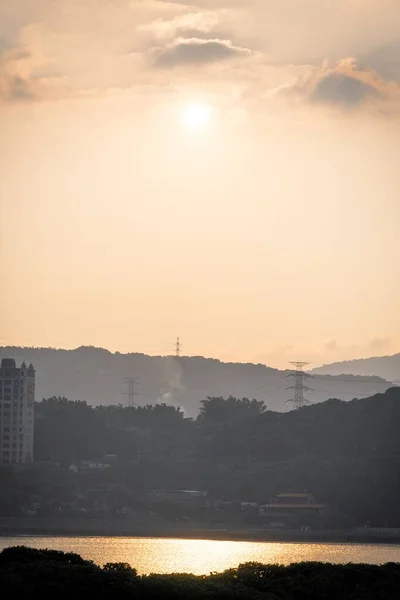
{"points": [[45, 527]]}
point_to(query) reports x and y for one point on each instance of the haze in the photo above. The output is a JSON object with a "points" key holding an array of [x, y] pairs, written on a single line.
{"points": [[224, 171]]}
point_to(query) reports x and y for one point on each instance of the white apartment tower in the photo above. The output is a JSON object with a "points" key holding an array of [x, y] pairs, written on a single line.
{"points": [[17, 396]]}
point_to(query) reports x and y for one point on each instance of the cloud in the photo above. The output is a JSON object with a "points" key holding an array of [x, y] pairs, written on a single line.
{"points": [[380, 345], [110, 50], [28, 72], [345, 85], [330, 352], [181, 25], [331, 345], [18, 89], [342, 89], [196, 51], [14, 83], [385, 60]]}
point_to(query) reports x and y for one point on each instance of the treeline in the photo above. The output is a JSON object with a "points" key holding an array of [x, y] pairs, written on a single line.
{"points": [[24, 570], [97, 376], [345, 453], [232, 432]]}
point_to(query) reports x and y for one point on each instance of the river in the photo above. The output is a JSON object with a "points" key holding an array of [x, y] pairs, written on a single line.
{"points": [[160, 555]]}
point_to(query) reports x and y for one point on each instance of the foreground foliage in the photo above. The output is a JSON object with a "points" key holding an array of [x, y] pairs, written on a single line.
{"points": [[62, 574]]}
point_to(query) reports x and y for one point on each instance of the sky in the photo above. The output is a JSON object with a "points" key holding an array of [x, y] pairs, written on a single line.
{"points": [[225, 171]]}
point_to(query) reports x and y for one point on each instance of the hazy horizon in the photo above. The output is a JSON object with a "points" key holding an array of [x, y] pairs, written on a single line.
{"points": [[224, 171], [172, 353]]}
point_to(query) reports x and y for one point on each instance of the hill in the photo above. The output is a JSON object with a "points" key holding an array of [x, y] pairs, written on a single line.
{"points": [[345, 453], [387, 367], [98, 377]]}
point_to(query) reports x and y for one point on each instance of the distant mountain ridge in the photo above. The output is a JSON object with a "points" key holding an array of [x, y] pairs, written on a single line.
{"points": [[98, 376], [387, 367]]}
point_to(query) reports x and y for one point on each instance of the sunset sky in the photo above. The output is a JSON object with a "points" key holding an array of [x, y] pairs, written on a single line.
{"points": [[223, 170]]}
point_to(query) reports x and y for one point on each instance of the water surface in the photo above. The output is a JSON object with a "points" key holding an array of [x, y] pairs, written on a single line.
{"points": [[157, 555]]}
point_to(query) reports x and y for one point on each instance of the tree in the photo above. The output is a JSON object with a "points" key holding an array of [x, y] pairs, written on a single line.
{"points": [[219, 410]]}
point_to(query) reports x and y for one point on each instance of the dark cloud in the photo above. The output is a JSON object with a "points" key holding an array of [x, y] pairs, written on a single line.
{"points": [[18, 90], [345, 86], [385, 60], [342, 89], [13, 86], [192, 51]]}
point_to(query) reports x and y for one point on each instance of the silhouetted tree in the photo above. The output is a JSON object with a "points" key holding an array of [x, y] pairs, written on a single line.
{"points": [[219, 410]]}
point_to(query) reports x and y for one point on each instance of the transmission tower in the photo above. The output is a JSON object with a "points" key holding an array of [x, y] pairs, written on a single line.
{"points": [[177, 348], [133, 392], [299, 386]]}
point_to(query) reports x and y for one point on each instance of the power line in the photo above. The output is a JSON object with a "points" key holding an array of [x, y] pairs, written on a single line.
{"points": [[350, 379], [342, 392]]}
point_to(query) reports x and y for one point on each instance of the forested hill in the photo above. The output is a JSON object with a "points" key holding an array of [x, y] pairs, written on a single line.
{"points": [[382, 366], [346, 453], [98, 376]]}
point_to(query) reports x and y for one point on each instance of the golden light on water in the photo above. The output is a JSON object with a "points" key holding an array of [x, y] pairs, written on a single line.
{"points": [[201, 557]]}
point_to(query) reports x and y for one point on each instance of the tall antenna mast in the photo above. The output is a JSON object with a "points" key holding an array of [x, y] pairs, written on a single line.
{"points": [[177, 348], [133, 392], [299, 386]]}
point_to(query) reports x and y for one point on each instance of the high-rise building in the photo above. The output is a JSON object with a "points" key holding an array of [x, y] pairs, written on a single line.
{"points": [[17, 397]]}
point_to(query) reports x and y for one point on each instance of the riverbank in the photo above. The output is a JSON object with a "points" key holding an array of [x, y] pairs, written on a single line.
{"points": [[25, 526]]}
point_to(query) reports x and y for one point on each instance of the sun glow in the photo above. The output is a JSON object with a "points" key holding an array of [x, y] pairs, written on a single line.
{"points": [[196, 116]]}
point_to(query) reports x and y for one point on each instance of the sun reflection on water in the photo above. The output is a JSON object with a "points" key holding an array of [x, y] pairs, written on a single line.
{"points": [[201, 557]]}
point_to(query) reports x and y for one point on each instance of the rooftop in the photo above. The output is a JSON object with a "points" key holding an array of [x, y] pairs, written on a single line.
{"points": [[189, 492], [8, 363], [281, 505], [290, 495]]}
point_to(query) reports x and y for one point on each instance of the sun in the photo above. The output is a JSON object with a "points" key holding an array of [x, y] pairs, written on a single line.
{"points": [[196, 116]]}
